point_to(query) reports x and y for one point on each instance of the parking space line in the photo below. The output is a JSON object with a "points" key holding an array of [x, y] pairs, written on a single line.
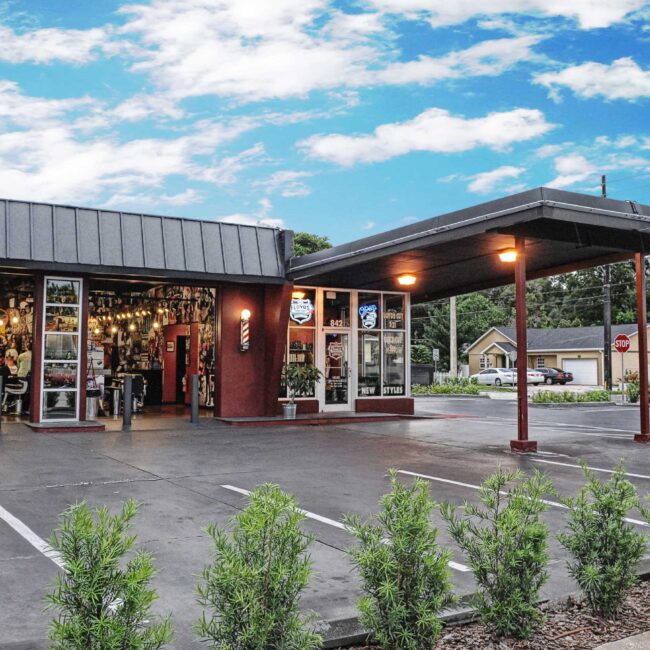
{"points": [[30, 536], [555, 504], [336, 524], [594, 469]]}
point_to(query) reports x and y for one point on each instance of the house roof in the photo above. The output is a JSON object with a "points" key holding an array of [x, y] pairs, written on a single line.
{"points": [[567, 338], [72, 239], [456, 253]]}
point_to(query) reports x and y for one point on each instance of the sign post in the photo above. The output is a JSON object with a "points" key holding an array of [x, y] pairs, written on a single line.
{"points": [[435, 355], [622, 344]]}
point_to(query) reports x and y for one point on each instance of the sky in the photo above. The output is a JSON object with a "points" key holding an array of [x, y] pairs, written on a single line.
{"points": [[339, 118]]}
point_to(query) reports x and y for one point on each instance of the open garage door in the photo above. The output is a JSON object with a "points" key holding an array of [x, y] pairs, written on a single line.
{"points": [[585, 371]]}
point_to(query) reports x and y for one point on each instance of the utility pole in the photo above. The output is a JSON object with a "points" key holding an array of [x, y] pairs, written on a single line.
{"points": [[607, 309], [453, 343]]}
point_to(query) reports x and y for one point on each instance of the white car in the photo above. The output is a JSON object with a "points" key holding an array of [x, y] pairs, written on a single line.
{"points": [[496, 377], [501, 376]]}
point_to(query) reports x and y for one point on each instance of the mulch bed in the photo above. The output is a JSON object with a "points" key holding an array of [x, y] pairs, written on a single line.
{"points": [[569, 625]]}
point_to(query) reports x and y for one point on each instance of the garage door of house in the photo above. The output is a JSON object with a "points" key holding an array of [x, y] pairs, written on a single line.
{"points": [[585, 371]]}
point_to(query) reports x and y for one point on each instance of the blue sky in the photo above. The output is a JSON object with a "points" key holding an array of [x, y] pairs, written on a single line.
{"points": [[340, 118]]}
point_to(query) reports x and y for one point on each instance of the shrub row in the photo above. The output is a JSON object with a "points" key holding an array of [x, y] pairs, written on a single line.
{"points": [[250, 592], [451, 386], [555, 397]]}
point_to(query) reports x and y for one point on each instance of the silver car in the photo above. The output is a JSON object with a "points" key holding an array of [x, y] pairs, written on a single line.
{"points": [[496, 376]]}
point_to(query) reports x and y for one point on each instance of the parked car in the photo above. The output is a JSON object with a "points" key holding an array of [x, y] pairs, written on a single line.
{"points": [[556, 376], [534, 377], [495, 377]]}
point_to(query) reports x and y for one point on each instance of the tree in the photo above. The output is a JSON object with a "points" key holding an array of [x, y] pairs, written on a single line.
{"points": [[305, 243]]}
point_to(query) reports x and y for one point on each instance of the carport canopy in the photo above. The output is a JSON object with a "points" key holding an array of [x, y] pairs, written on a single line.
{"points": [[457, 253], [552, 232]]}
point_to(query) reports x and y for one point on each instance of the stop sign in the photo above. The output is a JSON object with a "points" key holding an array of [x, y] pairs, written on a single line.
{"points": [[622, 343]]}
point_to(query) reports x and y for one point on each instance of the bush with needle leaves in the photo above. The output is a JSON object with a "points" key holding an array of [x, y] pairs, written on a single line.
{"points": [[506, 543], [103, 599], [605, 548], [404, 572], [251, 591]]}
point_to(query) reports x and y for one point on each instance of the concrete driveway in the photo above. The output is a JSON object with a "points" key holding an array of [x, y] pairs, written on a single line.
{"points": [[185, 477]]}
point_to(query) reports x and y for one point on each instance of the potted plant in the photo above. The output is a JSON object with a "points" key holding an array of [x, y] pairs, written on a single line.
{"points": [[300, 381]]}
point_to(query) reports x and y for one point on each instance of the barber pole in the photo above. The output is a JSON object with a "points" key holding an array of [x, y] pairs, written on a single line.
{"points": [[245, 330]]}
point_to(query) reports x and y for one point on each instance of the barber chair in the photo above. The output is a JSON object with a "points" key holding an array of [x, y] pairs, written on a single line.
{"points": [[15, 393]]}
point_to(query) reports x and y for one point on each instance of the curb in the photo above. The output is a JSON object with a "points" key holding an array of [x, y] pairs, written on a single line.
{"points": [[453, 396]]}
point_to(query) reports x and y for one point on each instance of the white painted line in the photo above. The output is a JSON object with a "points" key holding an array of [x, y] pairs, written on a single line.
{"points": [[594, 469], [555, 504], [29, 535], [337, 524]]}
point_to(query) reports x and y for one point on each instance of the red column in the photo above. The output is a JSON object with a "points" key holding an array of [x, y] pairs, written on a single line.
{"points": [[642, 323], [522, 444]]}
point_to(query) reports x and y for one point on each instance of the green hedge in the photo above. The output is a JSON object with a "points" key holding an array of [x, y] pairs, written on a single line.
{"points": [[457, 386], [553, 397]]}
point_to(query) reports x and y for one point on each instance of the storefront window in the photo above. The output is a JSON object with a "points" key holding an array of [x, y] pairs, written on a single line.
{"points": [[393, 312], [394, 366], [61, 343], [336, 309], [369, 364], [369, 311], [301, 351], [302, 312]]}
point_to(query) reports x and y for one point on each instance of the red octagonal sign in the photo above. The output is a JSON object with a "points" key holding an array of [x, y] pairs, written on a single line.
{"points": [[622, 343]]}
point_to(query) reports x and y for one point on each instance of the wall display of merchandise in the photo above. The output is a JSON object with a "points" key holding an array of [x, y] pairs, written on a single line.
{"points": [[126, 330]]}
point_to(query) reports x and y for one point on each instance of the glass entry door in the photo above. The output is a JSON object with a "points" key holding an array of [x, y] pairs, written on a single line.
{"points": [[337, 371]]}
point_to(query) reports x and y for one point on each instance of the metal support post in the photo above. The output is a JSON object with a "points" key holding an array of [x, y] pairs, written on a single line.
{"points": [[194, 418], [127, 399], [642, 328], [522, 444], [607, 329]]}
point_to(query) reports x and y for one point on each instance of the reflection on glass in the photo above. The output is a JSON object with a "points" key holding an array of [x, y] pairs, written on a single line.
{"points": [[336, 309], [369, 364], [368, 311], [393, 312], [394, 367], [302, 312], [59, 405], [301, 352], [62, 292], [336, 368], [60, 375], [62, 319], [61, 347]]}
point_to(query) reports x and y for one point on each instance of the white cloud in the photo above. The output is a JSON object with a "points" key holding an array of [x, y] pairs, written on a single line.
{"points": [[588, 13], [489, 58], [228, 169], [571, 169], [261, 217], [138, 201], [252, 50], [369, 225], [434, 130], [75, 46], [623, 79], [287, 183], [487, 182]]}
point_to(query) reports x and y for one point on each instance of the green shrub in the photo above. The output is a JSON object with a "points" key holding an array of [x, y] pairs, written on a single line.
{"points": [[103, 602], [633, 391], [403, 570], [557, 397], [252, 588], [452, 386], [506, 543], [605, 548]]}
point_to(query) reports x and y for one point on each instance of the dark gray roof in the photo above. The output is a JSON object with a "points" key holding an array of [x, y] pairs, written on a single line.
{"points": [[568, 338], [506, 346], [456, 253], [44, 236]]}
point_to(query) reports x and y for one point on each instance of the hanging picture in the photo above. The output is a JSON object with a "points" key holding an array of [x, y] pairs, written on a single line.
{"points": [[171, 346]]}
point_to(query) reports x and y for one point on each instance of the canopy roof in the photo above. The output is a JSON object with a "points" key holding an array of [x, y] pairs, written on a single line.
{"points": [[457, 252]]}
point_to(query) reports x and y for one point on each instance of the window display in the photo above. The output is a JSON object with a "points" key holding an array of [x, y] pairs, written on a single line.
{"points": [[62, 292], [369, 316], [394, 315], [336, 309], [303, 308], [369, 364], [394, 366]]}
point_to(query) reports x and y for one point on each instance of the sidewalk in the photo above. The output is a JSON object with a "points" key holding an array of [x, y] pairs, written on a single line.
{"points": [[637, 642]]}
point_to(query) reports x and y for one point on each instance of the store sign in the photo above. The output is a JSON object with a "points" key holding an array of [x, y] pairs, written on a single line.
{"points": [[369, 315], [335, 350], [302, 310]]}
